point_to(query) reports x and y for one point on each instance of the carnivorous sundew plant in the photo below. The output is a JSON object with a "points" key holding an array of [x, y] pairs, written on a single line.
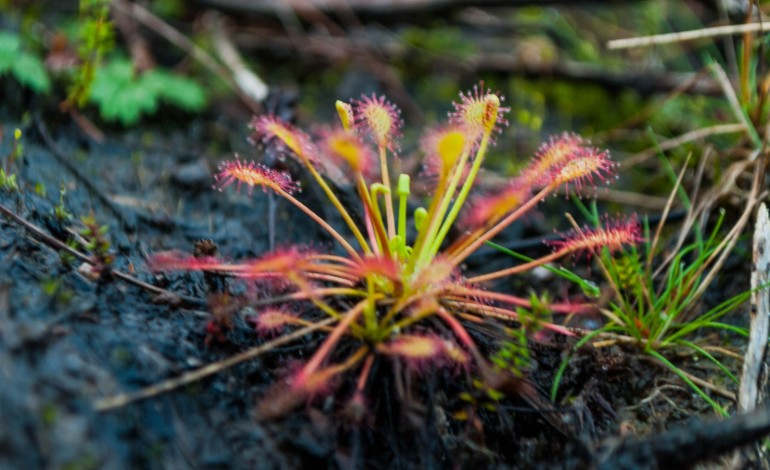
{"points": [[398, 292]]}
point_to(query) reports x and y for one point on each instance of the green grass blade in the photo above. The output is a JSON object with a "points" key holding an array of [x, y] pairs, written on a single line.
{"points": [[689, 382], [565, 361], [711, 358]]}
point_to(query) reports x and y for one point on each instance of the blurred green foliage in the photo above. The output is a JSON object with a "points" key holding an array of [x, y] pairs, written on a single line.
{"points": [[123, 95], [27, 68], [96, 37]]}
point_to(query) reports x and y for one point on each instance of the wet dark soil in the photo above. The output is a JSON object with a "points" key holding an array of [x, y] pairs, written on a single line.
{"points": [[68, 339]]}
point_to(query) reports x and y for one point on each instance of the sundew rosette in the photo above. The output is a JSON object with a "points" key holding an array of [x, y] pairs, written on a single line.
{"points": [[394, 288]]}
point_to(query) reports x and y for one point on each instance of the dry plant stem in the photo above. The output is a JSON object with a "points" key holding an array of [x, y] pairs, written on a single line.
{"points": [[248, 81], [138, 46], [664, 216], [615, 338], [61, 246], [91, 129], [692, 136], [748, 47], [73, 168], [649, 110], [171, 34], [760, 314], [723, 351], [628, 198], [684, 36], [692, 214], [735, 105], [657, 391], [697, 380], [726, 245], [325, 47], [607, 336], [118, 401]]}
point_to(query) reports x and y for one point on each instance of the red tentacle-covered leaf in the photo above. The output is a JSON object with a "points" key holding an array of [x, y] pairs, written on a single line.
{"points": [[253, 174], [614, 236], [272, 131], [379, 117], [479, 111]]}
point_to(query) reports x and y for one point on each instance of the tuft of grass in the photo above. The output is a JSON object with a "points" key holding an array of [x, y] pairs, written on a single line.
{"points": [[656, 302]]}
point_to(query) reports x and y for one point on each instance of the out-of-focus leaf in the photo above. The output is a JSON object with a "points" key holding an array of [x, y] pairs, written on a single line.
{"points": [[124, 96], [9, 50], [176, 90], [30, 71]]}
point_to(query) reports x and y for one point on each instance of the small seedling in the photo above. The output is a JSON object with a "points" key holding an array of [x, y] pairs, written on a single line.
{"points": [[60, 210], [7, 177], [8, 181], [396, 290], [95, 241]]}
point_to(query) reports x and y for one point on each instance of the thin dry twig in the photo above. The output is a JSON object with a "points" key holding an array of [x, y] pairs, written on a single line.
{"points": [[691, 216], [697, 380], [628, 198], [732, 99], [175, 37], [123, 399], [682, 139], [657, 391], [245, 78], [722, 251], [663, 217], [684, 36], [61, 246]]}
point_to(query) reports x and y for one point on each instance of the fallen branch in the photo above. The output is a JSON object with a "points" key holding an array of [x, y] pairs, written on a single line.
{"points": [[685, 445]]}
